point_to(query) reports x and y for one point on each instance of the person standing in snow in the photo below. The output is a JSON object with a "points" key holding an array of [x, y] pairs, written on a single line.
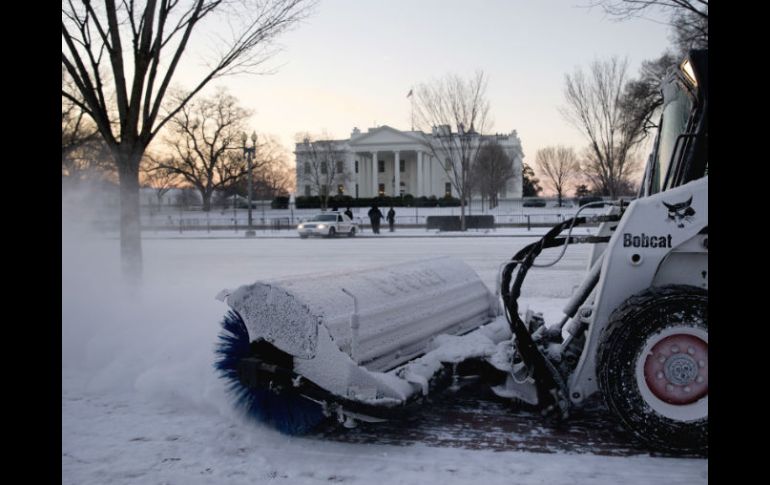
{"points": [[391, 218], [374, 217], [349, 213]]}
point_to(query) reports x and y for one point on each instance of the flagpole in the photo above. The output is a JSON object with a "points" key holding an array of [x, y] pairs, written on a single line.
{"points": [[411, 101]]}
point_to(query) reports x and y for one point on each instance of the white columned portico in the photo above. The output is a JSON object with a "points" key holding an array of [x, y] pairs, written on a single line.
{"points": [[396, 174], [351, 164], [375, 169], [431, 185], [420, 191]]}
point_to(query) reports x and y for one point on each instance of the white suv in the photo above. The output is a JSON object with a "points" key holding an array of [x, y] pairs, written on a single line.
{"points": [[327, 224]]}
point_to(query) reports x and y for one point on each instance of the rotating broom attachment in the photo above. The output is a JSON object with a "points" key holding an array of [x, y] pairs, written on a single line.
{"points": [[282, 409]]}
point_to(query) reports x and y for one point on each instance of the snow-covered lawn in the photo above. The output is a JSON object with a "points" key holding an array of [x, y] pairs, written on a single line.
{"points": [[141, 403]]}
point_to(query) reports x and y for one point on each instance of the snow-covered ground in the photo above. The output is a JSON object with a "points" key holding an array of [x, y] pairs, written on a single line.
{"points": [[141, 403]]}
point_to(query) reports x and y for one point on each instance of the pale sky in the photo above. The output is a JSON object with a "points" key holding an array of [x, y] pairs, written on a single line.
{"points": [[352, 63]]}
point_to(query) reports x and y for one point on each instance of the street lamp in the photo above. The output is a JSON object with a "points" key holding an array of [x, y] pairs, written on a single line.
{"points": [[248, 152]]}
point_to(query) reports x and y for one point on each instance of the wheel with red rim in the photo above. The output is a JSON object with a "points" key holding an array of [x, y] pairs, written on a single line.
{"points": [[652, 366], [675, 370]]}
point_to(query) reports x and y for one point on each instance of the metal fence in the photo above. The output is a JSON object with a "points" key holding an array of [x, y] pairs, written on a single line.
{"points": [[509, 212]]}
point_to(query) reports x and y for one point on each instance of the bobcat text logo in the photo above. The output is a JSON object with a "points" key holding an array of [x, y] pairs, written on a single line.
{"points": [[645, 241], [681, 212]]}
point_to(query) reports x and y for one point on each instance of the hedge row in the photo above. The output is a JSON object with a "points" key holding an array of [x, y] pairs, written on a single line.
{"points": [[344, 201]]}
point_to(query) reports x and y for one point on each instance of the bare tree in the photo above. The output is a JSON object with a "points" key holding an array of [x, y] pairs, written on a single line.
{"points": [[559, 164], [454, 102], [689, 23], [88, 160], [275, 177], [689, 19], [691, 30], [594, 171], [83, 154], [642, 97], [321, 164], [594, 107], [274, 180], [491, 171], [205, 137], [122, 57], [160, 179], [272, 175], [77, 128], [635, 8]]}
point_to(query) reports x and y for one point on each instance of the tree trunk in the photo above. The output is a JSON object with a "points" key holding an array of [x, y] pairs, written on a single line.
{"points": [[462, 213], [206, 197], [130, 224]]}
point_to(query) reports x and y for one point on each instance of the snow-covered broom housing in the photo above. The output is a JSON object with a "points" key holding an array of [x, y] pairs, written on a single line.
{"points": [[347, 337]]}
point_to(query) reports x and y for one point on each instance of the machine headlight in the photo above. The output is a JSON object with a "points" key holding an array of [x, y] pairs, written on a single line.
{"points": [[321, 226], [688, 72], [301, 226]]}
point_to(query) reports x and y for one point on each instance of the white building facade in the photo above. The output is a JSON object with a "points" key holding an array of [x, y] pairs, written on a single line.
{"points": [[386, 161]]}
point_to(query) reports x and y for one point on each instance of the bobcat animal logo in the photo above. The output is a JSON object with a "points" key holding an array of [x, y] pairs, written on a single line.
{"points": [[680, 212]]}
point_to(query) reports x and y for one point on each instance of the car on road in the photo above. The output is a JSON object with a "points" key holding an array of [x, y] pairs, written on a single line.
{"points": [[327, 224]]}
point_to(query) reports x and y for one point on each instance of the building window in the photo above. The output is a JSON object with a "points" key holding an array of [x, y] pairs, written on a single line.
{"points": [[307, 167], [324, 168], [402, 166], [356, 166], [402, 188], [381, 191], [448, 189], [341, 189], [356, 189], [324, 190], [340, 167], [308, 193], [381, 166]]}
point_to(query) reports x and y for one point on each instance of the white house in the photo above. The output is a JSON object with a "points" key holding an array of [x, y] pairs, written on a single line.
{"points": [[386, 161]]}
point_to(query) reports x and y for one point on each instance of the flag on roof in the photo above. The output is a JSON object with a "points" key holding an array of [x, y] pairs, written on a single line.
{"points": [[410, 93]]}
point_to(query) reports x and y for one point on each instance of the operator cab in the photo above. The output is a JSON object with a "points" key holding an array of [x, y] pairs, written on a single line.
{"points": [[680, 154]]}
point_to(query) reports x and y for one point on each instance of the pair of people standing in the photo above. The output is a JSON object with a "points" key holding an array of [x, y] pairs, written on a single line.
{"points": [[375, 215]]}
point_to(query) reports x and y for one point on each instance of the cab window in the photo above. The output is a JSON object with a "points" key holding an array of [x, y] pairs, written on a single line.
{"points": [[672, 124]]}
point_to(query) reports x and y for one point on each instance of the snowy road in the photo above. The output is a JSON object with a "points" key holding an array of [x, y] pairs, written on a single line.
{"points": [[141, 404]]}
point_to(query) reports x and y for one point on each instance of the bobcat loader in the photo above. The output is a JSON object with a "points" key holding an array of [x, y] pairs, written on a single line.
{"points": [[365, 346]]}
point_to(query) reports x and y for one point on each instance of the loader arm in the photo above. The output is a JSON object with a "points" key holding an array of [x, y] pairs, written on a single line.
{"points": [[643, 242]]}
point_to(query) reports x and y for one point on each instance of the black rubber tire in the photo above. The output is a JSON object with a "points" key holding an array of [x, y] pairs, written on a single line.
{"points": [[303, 237], [352, 232], [624, 338], [332, 232]]}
